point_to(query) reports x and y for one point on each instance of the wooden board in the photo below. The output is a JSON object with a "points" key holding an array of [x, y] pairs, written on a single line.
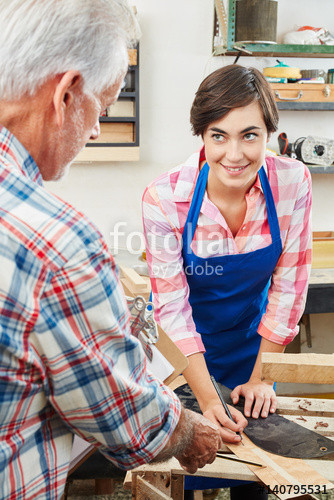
{"points": [[323, 254], [172, 353], [279, 470], [123, 107], [114, 132], [108, 154], [298, 368], [133, 57], [321, 425], [318, 470], [305, 406], [145, 490], [134, 281]]}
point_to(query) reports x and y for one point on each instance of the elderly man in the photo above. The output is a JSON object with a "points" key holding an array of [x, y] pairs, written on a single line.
{"points": [[68, 363]]}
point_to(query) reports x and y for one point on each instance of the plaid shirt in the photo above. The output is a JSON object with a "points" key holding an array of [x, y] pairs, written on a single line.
{"points": [[166, 203], [68, 363]]}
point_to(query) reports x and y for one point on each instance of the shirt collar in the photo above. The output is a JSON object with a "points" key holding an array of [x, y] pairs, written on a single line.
{"points": [[187, 178], [14, 153]]}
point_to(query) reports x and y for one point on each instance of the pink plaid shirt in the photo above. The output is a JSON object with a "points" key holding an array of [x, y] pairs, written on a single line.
{"points": [[166, 203]]}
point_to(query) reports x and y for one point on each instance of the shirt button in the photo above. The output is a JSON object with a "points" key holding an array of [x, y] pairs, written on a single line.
{"points": [[244, 228], [251, 191]]}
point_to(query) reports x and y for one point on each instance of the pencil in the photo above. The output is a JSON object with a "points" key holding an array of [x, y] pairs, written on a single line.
{"points": [[228, 413]]}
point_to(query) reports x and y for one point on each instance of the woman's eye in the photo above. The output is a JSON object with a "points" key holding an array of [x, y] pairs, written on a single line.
{"points": [[250, 137], [218, 137]]}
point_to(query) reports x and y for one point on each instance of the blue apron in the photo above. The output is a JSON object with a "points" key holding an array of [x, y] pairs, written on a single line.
{"points": [[228, 296]]}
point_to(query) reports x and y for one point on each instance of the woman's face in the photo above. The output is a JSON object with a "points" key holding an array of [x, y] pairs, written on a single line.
{"points": [[235, 146]]}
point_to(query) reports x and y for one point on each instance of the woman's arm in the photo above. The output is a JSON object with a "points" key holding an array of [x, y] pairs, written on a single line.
{"points": [[286, 299], [257, 392], [174, 313], [198, 378]]}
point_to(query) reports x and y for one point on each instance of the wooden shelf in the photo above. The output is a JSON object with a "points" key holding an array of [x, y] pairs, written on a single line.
{"points": [[306, 106], [116, 119], [127, 94], [107, 154], [321, 169], [278, 50]]}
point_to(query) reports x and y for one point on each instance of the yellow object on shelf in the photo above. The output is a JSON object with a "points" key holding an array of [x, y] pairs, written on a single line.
{"points": [[282, 72], [323, 250]]}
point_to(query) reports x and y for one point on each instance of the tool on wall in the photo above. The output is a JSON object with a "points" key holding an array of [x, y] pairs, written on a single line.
{"points": [[310, 149]]}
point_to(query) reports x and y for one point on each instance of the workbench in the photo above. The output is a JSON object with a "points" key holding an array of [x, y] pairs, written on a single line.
{"points": [[166, 480], [320, 298]]}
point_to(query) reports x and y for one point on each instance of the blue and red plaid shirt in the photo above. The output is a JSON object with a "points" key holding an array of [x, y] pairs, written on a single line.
{"points": [[68, 363]]}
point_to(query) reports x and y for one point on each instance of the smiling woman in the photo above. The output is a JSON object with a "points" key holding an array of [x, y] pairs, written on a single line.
{"points": [[231, 209]]}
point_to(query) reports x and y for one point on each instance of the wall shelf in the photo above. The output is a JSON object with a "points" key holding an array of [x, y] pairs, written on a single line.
{"points": [[306, 106], [224, 27], [277, 50], [321, 169], [119, 138], [116, 119]]}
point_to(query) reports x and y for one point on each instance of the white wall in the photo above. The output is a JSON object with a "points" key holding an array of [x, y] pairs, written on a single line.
{"points": [[175, 55]]}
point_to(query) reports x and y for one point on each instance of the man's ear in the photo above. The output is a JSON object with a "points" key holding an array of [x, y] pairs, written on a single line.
{"points": [[64, 92]]}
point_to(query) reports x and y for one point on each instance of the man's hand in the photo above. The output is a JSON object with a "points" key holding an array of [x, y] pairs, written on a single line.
{"points": [[203, 446], [194, 442], [259, 395]]}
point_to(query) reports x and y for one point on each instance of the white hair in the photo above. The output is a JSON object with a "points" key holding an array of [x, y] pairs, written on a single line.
{"points": [[43, 38]]}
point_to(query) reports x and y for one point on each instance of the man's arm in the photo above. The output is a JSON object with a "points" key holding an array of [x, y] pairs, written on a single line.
{"points": [[194, 442], [95, 370]]}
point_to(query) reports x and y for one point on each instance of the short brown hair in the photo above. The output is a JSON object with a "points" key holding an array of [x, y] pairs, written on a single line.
{"points": [[230, 87]]}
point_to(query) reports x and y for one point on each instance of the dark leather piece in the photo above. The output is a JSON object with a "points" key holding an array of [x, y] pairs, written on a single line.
{"points": [[275, 433]]}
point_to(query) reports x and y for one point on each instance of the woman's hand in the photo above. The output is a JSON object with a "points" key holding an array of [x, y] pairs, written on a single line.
{"points": [[258, 394], [227, 428]]}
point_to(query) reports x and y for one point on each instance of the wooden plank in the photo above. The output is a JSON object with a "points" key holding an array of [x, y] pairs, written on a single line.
{"points": [[177, 486], [133, 59], [123, 107], [225, 469], [298, 368], [145, 490], [321, 425], [323, 254], [305, 406], [279, 470], [172, 353], [113, 132], [134, 281], [107, 154]]}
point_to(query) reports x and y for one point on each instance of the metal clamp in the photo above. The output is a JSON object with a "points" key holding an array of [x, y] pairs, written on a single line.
{"points": [[300, 94]]}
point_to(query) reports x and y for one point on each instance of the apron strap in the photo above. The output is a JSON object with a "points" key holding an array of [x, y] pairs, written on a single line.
{"points": [[271, 209], [195, 207]]}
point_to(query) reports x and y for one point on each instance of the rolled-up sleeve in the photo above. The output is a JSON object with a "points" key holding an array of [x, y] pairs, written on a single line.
{"points": [[95, 371], [169, 283], [288, 289]]}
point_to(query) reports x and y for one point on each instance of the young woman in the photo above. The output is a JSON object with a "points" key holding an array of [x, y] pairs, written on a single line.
{"points": [[229, 246]]}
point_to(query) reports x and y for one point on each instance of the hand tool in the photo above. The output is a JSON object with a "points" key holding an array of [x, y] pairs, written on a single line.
{"points": [[234, 459]]}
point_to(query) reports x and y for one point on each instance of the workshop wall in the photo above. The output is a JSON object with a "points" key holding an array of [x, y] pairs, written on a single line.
{"points": [[175, 55]]}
